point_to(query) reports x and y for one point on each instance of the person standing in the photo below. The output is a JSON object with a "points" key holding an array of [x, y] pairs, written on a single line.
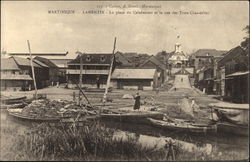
{"points": [[137, 104]]}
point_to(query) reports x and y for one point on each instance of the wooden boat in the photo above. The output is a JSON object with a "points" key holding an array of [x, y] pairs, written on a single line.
{"points": [[13, 100], [139, 117], [232, 129], [182, 126], [53, 121], [20, 116]]}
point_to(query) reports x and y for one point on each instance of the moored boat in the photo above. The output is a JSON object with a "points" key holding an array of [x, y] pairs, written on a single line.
{"points": [[231, 118], [235, 129], [182, 126], [139, 117]]}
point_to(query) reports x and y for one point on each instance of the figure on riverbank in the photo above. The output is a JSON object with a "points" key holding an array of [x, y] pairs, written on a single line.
{"points": [[137, 104]]}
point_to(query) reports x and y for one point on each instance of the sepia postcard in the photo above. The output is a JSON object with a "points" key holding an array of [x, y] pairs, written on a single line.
{"points": [[124, 81]]}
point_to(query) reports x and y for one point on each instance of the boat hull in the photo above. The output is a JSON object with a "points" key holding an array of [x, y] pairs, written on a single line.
{"points": [[135, 117], [182, 127], [232, 129]]}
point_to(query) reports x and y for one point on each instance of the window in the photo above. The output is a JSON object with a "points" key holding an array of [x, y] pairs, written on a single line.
{"points": [[88, 58], [102, 58]]}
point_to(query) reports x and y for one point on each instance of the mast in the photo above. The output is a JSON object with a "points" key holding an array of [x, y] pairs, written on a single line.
{"points": [[32, 69], [109, 76]]}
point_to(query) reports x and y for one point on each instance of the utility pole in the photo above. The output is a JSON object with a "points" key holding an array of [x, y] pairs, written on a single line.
{"points": [[32, 69], [109, 76]]}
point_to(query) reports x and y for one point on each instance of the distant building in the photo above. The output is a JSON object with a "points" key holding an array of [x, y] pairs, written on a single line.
{"points": [[178, 58], [203, 57], [153, 63], [137, 79]]}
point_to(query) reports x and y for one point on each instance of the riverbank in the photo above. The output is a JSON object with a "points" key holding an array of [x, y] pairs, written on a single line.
{"points": [[96, 141]]}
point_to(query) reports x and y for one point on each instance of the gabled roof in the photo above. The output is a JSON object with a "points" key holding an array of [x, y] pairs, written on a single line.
{"points": [[155, 61], [93, 58], [233, 53], [124, 61], [40, 63], [46, 61], [24, 62], [8, 64], [133, 74], [210, 52]]}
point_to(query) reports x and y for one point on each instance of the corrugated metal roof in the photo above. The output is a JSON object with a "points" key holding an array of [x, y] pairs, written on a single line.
{"points": [[133, 74], [15, 77], [8, 64]]}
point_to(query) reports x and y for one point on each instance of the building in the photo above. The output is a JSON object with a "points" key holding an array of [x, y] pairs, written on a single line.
{"points": [[137, 79], [12, 77], [58, 59], [55, 75], [41, 70], [95, 70], [153, 63], [177, 58], [234, 75], [202, 57]]}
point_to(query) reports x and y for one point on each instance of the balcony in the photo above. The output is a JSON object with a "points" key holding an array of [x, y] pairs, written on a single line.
{"points": [[74, 71]]}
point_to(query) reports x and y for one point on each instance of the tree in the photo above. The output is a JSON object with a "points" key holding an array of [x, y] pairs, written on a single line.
{"points": [[245, 43]]}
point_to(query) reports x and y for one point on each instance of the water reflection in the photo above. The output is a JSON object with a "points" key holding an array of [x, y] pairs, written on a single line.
{"points": [[150, 135]]}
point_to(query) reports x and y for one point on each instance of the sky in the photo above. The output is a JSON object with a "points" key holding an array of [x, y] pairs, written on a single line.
{"points": [[220, 29]]}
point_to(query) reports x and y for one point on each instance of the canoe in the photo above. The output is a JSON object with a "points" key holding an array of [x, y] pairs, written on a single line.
{"points": [[13, 100], [182, 126], [139, 117], [232, 129], [18, 105], [51, 120], [22, 117]]}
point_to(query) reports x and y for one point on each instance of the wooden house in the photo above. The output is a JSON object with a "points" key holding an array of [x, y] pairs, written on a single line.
{"points": [[153, 63], [54, 72], [95, 70], [41, 70], [12, 77], [137, 79], [234, 80]]}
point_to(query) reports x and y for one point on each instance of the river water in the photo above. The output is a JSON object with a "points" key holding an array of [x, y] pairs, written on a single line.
{"points": [[150, 136]]}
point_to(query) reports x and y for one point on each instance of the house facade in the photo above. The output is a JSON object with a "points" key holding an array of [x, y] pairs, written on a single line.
{"points": [[12, 77], [136, 79], [95, 70], [159, 66], [234, 71]]}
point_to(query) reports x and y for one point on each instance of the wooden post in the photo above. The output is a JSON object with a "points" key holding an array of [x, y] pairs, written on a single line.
{"points": [[79, 99], [109, 76], [32, 69], [74, 97], [80, 77]]}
